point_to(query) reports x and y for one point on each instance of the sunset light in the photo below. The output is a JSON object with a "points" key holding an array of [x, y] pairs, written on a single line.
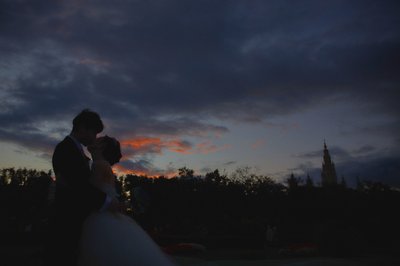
{"points": [[264, 128]]}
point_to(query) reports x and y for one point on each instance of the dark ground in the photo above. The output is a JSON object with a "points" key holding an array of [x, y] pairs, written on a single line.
{"points": [[30, 254]]}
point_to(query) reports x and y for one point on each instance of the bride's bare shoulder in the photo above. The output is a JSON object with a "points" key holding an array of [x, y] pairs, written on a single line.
{"points": [[102, 172]]}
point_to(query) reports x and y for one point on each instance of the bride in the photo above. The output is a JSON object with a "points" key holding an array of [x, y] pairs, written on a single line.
{"points": [[113, 238]]}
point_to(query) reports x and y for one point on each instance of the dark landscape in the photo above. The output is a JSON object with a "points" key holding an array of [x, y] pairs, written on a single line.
{"points": [[212, 218]]}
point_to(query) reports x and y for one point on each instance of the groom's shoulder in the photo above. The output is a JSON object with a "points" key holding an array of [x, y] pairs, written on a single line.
{"points": [[63, 149], [65, 143]]}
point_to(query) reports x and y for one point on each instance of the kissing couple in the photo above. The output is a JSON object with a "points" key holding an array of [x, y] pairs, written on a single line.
{"points": [[88, 226]]}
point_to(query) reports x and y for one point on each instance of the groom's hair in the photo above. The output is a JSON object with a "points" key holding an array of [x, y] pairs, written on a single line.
{"points": [[112, 150], [89, 120]]}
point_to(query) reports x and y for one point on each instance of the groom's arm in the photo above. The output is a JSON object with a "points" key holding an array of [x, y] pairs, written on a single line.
{"points": [[72, 174]]}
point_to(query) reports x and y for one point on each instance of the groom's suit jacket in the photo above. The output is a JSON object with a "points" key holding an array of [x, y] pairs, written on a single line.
{"points": [[75, 197]]}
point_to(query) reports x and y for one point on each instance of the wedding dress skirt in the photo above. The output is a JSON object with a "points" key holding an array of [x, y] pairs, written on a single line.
{"points": [[114, 239]]}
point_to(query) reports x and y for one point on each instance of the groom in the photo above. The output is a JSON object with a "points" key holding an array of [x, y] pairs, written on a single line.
{"points": [[75, 197]]}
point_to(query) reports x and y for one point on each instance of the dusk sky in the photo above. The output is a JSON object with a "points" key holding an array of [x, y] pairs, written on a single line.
{"points": [[207, 84]]}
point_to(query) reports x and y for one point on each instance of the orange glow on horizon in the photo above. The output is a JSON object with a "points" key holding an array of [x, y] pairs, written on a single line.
{"points": [[142, 145], [120, 170]]}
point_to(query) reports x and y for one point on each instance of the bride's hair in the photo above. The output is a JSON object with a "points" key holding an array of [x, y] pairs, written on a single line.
{"points": [[112, 150]]}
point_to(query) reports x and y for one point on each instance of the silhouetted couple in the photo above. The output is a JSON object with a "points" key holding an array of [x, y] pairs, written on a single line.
{"points": [[88, 227]]}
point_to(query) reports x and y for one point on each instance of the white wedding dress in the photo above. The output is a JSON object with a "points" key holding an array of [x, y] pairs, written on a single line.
{"points": [[114, 239]]}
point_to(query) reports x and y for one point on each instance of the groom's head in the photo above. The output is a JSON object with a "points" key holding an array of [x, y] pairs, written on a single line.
{"points": [[86, 125]]}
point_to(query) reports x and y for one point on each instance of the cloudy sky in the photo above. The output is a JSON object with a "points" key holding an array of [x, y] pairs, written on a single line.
{"points": [[206, 84]]}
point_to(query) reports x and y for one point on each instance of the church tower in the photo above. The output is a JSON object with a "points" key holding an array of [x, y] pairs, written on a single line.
{"points": [[328, 174]]}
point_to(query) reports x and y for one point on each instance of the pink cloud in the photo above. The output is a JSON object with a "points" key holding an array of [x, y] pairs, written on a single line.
{"points": [[258, 144], [207, 147], [145, 145]]}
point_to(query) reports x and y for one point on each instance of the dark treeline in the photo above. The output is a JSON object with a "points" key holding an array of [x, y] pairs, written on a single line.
{"points": [[217, 210], [24, 200], [238, 210]]}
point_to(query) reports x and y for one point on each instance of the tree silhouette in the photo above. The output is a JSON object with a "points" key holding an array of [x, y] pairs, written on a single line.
{"points": [[186, 172], [309, 182], [293, 182], [215, 177], [343, 183]]}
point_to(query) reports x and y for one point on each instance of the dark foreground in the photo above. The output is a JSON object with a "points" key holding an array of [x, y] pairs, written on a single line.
{"points": [[31, 255]]}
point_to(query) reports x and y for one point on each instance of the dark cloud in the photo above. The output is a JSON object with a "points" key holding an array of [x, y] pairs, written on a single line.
{"points": [[364, 149], [229, 163], [32, 141], [384, 169], [169, 67]]}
